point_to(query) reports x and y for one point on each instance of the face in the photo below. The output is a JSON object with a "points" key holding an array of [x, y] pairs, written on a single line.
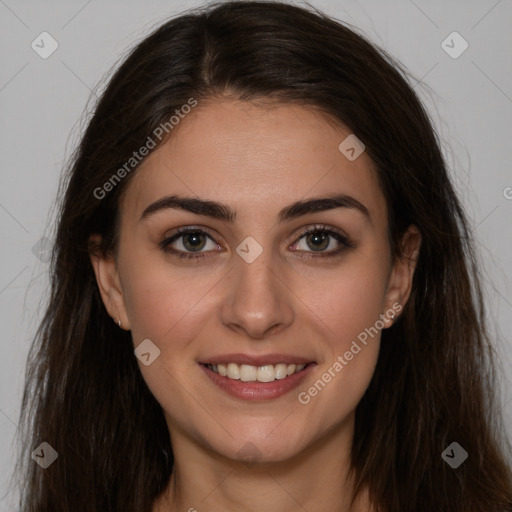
{"points": [[251, 245]]}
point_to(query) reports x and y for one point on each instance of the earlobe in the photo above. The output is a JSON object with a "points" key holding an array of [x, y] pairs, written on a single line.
{"points": [[400, 282], [109, 284]]}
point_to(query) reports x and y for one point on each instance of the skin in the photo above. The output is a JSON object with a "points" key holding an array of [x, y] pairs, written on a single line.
{"points": [[256, 159]]}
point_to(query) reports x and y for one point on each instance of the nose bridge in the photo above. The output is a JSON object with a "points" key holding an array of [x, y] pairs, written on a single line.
{"points": [[257, 302]]}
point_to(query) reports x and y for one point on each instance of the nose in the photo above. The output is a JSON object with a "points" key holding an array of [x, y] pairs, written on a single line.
{"points": [[258, 303]]}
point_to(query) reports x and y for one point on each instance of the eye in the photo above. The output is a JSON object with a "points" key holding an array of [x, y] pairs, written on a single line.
{"points": [[322, 240], [189, 243], [192, 242]]}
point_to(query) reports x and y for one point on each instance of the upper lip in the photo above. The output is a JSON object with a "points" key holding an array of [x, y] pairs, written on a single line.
{"points": [[256, 360]]}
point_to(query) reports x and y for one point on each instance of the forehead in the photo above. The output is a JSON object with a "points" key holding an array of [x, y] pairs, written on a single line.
{"points": [[254, 156]]}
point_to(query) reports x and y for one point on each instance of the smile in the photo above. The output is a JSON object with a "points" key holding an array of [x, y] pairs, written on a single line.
{"points": [[263, 380], [249, 373]]}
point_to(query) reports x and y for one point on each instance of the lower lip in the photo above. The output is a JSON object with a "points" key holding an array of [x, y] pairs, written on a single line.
{"points": [[258, 390]]}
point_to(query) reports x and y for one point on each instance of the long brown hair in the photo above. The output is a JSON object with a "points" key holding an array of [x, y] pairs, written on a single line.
{"points": [[434, 381]]}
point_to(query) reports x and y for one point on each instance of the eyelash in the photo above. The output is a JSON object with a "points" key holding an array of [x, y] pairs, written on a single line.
{"points": [[344, 241]]}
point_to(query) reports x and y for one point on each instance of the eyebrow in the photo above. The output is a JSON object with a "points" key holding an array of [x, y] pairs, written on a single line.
{"points": [[222, 212], [193, 205], [313, 205]]}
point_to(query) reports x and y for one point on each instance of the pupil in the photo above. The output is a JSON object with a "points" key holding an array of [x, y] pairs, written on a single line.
{"points": [[194, 241], [317, 241]]}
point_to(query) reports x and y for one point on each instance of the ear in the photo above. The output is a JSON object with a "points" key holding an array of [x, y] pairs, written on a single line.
{"points": [[402, 273], [109, 284]]}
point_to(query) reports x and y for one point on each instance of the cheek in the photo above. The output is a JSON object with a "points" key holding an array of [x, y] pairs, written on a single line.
{"points": [[170, 307], [350, 300], [347, 308], [161, 299]]}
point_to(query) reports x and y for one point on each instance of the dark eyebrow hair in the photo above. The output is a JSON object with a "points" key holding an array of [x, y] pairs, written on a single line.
{"points": [[193, 205], [222, 212], [321, 204]]}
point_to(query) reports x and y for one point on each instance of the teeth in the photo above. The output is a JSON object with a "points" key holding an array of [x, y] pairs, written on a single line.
{"points": [[233, 371], [266, 373], [281, 371], [248, 373]]}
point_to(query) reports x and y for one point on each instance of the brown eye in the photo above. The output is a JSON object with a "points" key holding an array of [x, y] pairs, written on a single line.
{"points": [[321, 241], [194, 241], [318, 241], [190, 243]]}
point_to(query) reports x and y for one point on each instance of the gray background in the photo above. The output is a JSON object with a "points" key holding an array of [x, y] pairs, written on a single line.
{"points": [[43, 100]]}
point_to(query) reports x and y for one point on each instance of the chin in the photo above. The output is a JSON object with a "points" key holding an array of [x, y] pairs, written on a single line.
{"points": [[255, 449]]}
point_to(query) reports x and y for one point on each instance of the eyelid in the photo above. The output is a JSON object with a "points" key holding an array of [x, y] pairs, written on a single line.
{"points": [[187, 229]]}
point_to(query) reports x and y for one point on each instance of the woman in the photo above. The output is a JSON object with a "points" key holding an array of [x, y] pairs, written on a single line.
{"points": [[260, 205]]}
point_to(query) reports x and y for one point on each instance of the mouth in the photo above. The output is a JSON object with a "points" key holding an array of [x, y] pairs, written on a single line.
{"points": [[257, 381], [250, 373]]}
